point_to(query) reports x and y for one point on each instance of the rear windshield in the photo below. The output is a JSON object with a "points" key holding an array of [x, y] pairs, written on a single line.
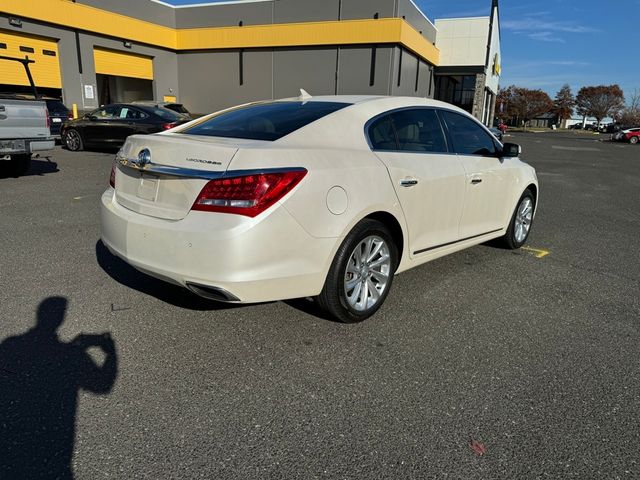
{"points": [[176, 107], [166, 114], [267, 121], [56, 106]]}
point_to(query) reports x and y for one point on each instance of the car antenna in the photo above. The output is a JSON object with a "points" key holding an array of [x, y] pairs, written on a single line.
{"points": [[304, 95]]}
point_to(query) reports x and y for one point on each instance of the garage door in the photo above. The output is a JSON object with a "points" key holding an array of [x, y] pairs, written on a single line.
{"points": [[122, 64], [46, 70]]}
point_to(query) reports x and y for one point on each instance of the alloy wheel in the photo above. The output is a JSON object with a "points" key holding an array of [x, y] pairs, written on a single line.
{"points": [[524, 216], [72, 140], [367, 274]]}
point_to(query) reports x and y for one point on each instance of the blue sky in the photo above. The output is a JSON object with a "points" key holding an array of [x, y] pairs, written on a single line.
{"points": [[546, 43]]}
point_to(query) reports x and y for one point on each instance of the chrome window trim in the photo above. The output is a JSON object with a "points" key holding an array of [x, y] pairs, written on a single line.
{"points": [[158, 169]]}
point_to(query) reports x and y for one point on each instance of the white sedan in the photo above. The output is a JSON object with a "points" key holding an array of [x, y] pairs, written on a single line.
{"points": [[324, 197]]}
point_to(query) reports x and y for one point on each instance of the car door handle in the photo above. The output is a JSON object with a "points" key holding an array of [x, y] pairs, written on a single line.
{"points": [[408, 182], [1, 108], [476, 181]]}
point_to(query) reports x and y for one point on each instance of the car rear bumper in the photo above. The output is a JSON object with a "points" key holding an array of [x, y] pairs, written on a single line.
{"points": [[26, 145], [216, 255]]}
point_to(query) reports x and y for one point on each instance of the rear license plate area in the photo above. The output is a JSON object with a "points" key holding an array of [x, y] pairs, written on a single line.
{"points": [[148, 187], [12, 146]]}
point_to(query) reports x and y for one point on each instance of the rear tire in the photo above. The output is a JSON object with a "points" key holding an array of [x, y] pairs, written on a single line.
{"points": [[73, 140], [634, 140], [521, 220], [361, 274], [20, 164]]}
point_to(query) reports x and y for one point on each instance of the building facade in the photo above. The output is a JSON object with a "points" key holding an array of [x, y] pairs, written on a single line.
{"points": [[468, 74], [208, 57]]}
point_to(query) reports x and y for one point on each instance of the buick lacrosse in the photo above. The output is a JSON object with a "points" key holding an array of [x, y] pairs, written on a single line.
{"points": [[323, 197]]}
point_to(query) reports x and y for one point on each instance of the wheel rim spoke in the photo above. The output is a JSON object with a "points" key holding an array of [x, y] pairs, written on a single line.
{"points": [[375, 294], [375, 251], [355, 295]]}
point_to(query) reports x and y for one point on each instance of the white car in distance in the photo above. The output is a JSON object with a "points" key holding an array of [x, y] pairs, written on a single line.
{"points": [[323, 197]]}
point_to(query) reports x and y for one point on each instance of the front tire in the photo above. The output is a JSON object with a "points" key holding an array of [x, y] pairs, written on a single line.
{"points": [[521, 221], [361, 274], [634, 140], [73, 140]]}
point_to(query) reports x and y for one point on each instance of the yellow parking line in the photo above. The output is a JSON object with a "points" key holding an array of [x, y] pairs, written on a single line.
{"points": [[538, 253]]}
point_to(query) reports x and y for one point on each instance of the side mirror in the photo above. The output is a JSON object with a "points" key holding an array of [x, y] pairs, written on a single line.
{"points": [[511, 150]]}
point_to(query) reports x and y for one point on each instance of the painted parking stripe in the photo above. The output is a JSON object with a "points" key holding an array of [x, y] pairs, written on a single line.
{"points": [[536, 252]]}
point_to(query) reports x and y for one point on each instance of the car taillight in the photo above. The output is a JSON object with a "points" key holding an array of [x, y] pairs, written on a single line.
{"points": [[247, 195], [112, 177], [167, 126]]}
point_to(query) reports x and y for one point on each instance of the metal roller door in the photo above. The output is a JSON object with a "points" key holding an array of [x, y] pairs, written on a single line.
{"points": [[45, 70], [122, 64]]}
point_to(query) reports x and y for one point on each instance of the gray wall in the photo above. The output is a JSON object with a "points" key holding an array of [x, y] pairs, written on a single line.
{"points": [[357, 9], [259, 13], [310, 69], [288, 11], [142, 9], [355, 71], [217, 82], [410, 68]]}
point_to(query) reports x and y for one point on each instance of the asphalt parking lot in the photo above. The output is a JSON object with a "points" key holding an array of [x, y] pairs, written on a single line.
{"points": [[484, 364]]}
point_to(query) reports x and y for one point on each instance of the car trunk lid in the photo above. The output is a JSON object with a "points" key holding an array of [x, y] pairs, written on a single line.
{"points": [[162, 175]]}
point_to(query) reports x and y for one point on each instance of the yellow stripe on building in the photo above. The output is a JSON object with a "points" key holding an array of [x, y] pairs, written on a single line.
{"points": [[344, 32]]}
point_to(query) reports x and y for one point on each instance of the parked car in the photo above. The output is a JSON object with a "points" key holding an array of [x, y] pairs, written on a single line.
{"points": [[324, 197], [496, 133], [110, 125], [176, 107], [621, 136], [632, 135], [576, 126]]}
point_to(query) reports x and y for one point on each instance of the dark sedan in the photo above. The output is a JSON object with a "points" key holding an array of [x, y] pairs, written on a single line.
{"points": [[110, 125]]}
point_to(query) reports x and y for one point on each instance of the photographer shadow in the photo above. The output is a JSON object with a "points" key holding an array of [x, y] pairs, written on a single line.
{"points": [[40, 377]]}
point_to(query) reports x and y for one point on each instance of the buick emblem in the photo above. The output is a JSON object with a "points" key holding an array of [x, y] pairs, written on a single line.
{"points": [[144, 158]]}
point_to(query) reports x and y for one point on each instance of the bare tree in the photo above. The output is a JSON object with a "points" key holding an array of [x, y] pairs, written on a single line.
{"points": [[630, 116], [564, 103], [600, 102]]}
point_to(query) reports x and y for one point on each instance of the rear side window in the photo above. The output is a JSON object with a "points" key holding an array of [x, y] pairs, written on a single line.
{"points": [[107, 113], [468, 137], [132, 114], [382, 135], [414, 130], [267, 121]]}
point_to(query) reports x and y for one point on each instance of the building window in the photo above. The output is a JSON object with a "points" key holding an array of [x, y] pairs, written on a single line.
{"points": [[49, 53], [27, 49], [459, 90]]}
